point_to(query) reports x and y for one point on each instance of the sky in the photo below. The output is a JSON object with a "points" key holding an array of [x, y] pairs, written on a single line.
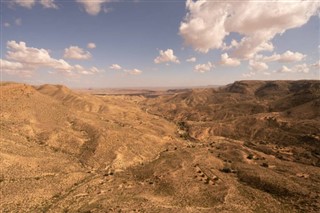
{"points": [[158, 43]]}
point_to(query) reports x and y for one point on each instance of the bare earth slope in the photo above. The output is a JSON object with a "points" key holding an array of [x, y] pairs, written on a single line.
{"points": [[63, 151], [267, 115]]}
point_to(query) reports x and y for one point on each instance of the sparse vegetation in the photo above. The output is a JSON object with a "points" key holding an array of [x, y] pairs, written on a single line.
{"points": [[183, 130], [250, 156], [115, 156], [226, 170]]}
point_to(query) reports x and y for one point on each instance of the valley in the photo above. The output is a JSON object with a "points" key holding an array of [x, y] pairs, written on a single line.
{"points": [[251, 146]]}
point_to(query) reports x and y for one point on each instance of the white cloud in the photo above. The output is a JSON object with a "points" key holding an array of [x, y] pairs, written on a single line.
{"points": [[14, 68], [286, 57], [134, 72], [75, 52], [166, 56], [249, 74], [9, 65], [257, 66], [24, 61], [30, 3], [316, 65], [115, 67], [91, 45], [48, 4], [32, 58], [202, 68], [300, 68], [18, 21], [6, 24], [192, 59], [232, 45], [209, 22], [107, 10], [203, 27], [126, 71], [81, 70], [284, 69], [227, 61], [92, 7], [289, 56], [25, 3]]}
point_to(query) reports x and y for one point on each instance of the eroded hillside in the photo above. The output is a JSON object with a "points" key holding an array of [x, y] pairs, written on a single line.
{"points": [[196, 151], [281, 118]]}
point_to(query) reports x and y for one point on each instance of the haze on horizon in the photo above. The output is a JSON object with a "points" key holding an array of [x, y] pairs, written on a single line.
{"points": [[118, 43]]}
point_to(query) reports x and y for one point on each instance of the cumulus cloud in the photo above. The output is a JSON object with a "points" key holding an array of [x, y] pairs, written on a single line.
{"points": [[81, 70], [18, 21], [202, 68], [9, 65], [30, 3], [91, 45], [115, 67], [126, 71], [227, 61], [14, 68], [25, 3], [32, 58], [286, 57], [299, 68], [75, 52], [134, 72], [48, 4], [249, 74], [24, 61], [208, 23], [257, 66], [166, 56], [192, 59], [92, 7], [232, 45], [315, 65], [284, 69]]}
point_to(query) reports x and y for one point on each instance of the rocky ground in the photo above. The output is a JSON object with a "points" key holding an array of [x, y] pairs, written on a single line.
{"points": [[64, 151]]}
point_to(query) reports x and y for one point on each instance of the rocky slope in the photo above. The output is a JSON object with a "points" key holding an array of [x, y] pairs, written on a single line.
{"points": [[63, 151], [268, 115]]}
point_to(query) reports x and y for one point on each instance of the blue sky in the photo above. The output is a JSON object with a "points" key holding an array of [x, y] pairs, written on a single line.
{"points": [[157, 43]]}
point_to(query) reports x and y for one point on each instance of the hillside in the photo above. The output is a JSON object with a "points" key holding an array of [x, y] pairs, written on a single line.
{"points": [[267, 115], [247, 147]]}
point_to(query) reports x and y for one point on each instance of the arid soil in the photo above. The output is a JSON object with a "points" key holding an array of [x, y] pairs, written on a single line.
{"points": [[247, 147]]}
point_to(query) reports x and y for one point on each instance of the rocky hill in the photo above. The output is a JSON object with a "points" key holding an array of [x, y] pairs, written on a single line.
{"points": [[271, 113], [247, 147]]}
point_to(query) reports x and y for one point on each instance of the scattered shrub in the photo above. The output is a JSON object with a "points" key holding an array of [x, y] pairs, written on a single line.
{"points": [[250, 156], [226, 170]]}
